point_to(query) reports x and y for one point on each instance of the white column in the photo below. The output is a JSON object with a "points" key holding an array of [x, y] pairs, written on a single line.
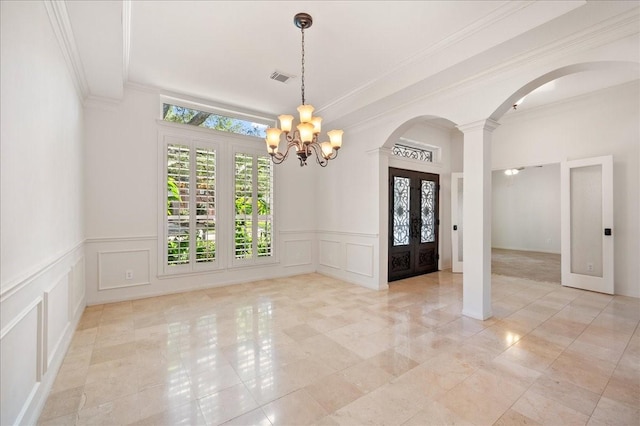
{"points": [[476, 217], [380, 158]]}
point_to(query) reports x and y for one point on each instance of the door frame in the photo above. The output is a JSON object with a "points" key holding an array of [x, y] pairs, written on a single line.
{"points": [[456, 223], [416, 249], [604, 284]]}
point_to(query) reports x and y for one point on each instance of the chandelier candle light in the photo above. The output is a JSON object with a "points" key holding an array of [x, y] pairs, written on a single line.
{"points": [[305, 136]]}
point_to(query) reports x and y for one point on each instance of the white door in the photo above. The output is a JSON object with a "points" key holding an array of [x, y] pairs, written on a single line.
{"points": [[456, 221], [587, 224]]}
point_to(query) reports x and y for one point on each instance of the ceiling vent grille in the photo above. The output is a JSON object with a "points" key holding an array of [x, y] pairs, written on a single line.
{"points": [[281, 77]]}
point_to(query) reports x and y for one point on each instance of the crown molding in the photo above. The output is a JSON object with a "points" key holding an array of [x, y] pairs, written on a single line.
{"points": [[102, 102], [615, 28], [139, 87], [59, 18], [606, 32], [449, 42]]}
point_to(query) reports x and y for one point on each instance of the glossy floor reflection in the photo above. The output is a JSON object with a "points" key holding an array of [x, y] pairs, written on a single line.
{"points": [[315, 350]]}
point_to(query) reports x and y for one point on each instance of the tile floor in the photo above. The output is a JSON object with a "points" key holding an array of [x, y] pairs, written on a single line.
{"points": [[532, 265], [315, 350]]}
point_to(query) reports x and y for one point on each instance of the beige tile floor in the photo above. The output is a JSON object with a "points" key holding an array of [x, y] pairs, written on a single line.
{"points": [[531, 265], [315, 350]]}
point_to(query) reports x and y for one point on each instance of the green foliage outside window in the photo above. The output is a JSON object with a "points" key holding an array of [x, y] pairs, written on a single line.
{"points": [[179, 216], [193, 117]]}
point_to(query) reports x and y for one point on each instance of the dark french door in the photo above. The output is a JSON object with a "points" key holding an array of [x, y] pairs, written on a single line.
{"points": [[413, 223]]}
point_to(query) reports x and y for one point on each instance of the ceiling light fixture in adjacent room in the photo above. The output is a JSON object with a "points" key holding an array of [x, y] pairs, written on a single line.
{"points": [[518, 102], [304, 138], [512, 172]]}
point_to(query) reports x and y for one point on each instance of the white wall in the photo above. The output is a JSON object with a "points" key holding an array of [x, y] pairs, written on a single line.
{"points": [[348, 246], [357, 211], [602, 123], [122, 190], [42, 277], [526, 209]]}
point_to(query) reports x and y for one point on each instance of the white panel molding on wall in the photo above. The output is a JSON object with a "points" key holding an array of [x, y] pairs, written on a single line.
{"points": [[21, 370], [297, 252], [330, 253], [56, 319], [359, 259], [77, 289], [108, 259], [38, 317], [349, 256], [123, 268], [15, 285]]}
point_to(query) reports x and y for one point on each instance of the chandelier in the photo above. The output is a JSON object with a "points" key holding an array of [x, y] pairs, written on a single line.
{"points": [[304, 138]]}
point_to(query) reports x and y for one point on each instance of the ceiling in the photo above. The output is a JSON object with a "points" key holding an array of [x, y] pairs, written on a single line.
{"points": [[357, 52]]}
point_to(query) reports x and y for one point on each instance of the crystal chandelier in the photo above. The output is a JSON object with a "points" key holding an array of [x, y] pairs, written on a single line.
{"points": [[305, 136]]}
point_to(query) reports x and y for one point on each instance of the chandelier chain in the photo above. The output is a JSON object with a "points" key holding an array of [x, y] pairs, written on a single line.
{"points": [[302, 86]]}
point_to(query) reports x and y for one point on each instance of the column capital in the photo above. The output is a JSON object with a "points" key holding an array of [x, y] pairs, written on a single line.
{"points": [[382, 152], [488, 124]]}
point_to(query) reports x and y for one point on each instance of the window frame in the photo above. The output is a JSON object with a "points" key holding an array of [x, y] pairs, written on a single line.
{"points": [[226, 145], [255, 259], [217, 110]]}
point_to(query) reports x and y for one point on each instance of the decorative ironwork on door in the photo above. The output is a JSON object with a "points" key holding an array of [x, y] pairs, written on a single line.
{"points": [[413, 223], [401, 210]]}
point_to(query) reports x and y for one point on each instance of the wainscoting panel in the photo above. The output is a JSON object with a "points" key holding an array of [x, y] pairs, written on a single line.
{"points": [[297, 252], [330, 253], [38, 316], [123, 268], [77, 288], [351, 257], [56, 314], [360, 259], [108, 259], [20, 363]]}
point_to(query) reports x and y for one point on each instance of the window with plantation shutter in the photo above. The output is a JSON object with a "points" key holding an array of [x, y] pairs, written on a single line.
{"points": [[253, 198], [264, 205], [243, 206], [205, 205], [216, 202], [178, 205], [191, 205]]}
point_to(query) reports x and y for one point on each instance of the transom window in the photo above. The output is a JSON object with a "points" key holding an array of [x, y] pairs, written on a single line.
{"points": [[210, 120], [406, 151]]}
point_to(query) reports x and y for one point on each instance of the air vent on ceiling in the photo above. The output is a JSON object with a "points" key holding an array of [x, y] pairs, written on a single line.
{"points": [[281, 77]]}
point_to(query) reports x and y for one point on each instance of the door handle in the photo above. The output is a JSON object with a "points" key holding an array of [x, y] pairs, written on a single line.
{"points": [[607, 231], [455, 227]]}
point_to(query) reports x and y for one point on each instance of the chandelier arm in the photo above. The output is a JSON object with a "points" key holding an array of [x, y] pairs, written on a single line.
{"points": [[291, 136], [279, 157], [320, 159]]}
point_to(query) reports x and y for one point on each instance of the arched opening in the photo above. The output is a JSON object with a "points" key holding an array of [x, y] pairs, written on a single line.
{"points": [[563, 114], [428, 148], [614, 72]]}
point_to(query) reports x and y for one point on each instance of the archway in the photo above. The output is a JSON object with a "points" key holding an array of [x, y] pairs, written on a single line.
{"points": [[427, 132], [482, 285], [527, 88]]}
